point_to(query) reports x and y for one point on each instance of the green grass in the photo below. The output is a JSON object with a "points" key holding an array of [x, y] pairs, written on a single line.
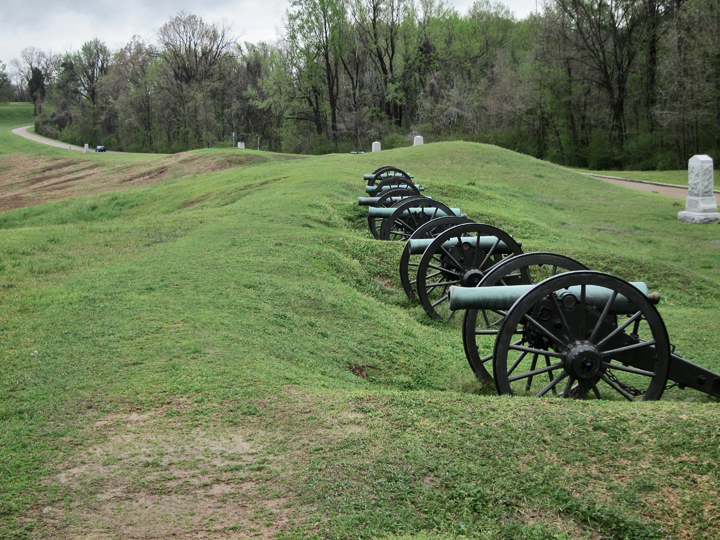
{"points": [[238, 338]]}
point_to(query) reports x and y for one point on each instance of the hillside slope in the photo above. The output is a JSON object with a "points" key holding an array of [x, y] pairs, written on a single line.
{"points": [[230, 355]]}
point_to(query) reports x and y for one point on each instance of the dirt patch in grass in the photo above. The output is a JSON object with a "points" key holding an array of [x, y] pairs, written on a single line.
{"points": [[27, 180], [146, 479], [556, 521]]}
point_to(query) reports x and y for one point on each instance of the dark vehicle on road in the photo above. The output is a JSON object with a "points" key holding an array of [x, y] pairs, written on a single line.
{"points": [[100, 149]]}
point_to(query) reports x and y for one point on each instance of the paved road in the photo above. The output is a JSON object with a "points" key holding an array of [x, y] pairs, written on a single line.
{"points": [[680, 192], [23, 132]]}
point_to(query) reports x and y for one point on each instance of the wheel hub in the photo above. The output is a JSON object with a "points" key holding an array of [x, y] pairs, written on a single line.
{"points": [[471, 278], [583, 360]]}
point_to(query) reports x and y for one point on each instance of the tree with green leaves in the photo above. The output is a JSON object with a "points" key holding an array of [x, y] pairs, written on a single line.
{"points": [[90, 65], [319, 29], [36, 87], [5, 86]]}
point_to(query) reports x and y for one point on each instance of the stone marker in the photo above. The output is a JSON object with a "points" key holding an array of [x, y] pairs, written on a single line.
{"points": [[376, 146], [700, 206], [241, 145], [69, 148], [418, 140], [87, 149]]}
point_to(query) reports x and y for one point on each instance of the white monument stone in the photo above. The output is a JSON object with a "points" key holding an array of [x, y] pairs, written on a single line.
{"points": [[69, 148], [700, 205], [241, 145], [376, 146], [86, 150], [418, 140]]}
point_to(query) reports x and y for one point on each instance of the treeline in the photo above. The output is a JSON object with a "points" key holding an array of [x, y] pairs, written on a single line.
{"points": [[589, 83]]}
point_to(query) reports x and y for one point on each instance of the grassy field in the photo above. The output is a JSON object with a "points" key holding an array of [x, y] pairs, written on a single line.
{"points": [[221, 350]]}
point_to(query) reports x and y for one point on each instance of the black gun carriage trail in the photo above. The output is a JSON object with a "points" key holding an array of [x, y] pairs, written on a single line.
{"points": [[535, 324]]}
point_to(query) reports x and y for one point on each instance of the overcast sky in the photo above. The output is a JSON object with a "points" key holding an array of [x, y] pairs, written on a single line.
{"points": [[60, 26]]}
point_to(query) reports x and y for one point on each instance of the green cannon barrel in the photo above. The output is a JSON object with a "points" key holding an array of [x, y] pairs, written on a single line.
{"points": [[418, 246], [382, 212], [371, 176], [501, 298], [373, 189], [372, 201]]}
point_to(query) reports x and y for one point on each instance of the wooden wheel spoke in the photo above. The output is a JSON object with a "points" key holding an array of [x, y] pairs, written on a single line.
{"points": [[452, 259], [533, 365], [431, 288], [603, 315], [627, 348], [619, 329], [617, 388], [627, 369], [489, 253], [535, 372], [553, 384], [533, 351], [555, 339], [440, 301], [568, 387]]}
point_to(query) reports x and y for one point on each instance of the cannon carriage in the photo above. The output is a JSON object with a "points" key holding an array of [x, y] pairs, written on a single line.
{"points": [[383, 173], [577, 333], [535, 324], [458, 256]]}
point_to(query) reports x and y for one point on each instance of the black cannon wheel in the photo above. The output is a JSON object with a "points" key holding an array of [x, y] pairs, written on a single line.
{"points": [[387, 172], [409, 263], [462, 265], [409, 215], [385, 200], [553, 338], [524, 269], [395, 182]]}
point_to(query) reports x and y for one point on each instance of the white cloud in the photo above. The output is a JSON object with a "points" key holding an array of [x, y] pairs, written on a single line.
{"points": [[62, 25]]}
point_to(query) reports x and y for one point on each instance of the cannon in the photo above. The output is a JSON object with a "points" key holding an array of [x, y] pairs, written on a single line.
{"points": [[525, 269], [388, 199], [393, 182], [458, 256], [401, 220], [410, 261], [580, 333], [382, 173]]}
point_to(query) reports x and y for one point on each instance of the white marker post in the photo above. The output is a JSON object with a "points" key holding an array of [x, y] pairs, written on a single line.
{"points": [[700, 205]]}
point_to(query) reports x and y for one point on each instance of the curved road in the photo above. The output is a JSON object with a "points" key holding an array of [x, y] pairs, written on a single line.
{"points": [[23, 132], [666, 189]]}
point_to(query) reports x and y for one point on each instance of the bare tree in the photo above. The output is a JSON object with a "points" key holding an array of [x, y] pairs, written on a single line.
{"points": [[378, 23], [194, 49], [605, 37]]}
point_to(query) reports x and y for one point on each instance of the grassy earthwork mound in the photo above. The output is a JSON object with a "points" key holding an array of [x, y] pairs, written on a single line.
{"points": [[211, 345]]}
